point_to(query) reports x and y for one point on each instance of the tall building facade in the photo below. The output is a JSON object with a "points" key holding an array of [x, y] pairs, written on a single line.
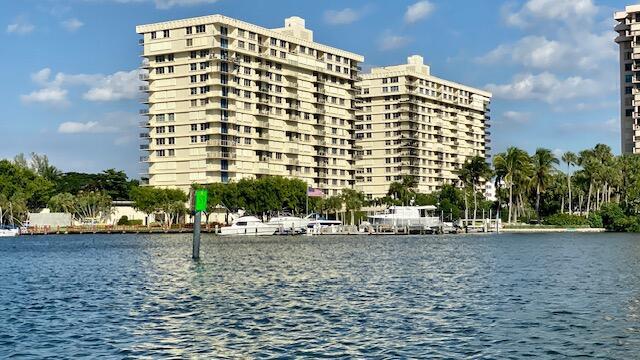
{"points": [[412, 123], [229, 100], [628, 28]]}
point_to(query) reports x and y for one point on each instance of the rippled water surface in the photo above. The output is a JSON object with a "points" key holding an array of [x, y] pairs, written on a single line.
{"points": [[506, 296]]}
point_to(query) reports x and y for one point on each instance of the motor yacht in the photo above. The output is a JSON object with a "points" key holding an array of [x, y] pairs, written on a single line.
{"points": [[403, 216], [317, 220], [249, 225]]}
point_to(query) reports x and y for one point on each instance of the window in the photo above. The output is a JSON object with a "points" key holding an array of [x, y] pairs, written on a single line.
{"points": [[153, 35], [189, 30], [193, 78], [160, 70], [627, 78], [194, 67], [170, 57], [165, 33], [628, 112], [194, 139], [160, 153], [189, 42], [194, 127], [172, 117], [171, 152], [223, 30], [200, 28], [628, 90], [170, 69], [627, 67], [159, 58], [160, 130], [171, 129]]}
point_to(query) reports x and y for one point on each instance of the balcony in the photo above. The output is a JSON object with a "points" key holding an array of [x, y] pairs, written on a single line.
{"points": [[144, 135], [144, 147], [144, 158], [145, 63], [221, 155], [224, 143], [143, 87], [143, 77], [143, 111], [144, 123]]}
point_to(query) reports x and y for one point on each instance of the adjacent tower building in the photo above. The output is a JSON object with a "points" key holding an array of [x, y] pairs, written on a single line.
{"points": [[412, 123], [229, 100], [628, 39]]}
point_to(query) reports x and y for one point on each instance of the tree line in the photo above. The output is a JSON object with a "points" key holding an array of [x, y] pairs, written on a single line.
{"points": [[592, 186]]}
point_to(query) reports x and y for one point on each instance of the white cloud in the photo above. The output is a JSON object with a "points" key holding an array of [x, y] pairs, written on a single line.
{"points": [[20, 26], [71, 127], [516, 117], [588, 51], [121, 85], [568, 11], [120, 123], [167, 4], [418, 11], [546, 87], [389, 41], [50, 96], [610, 127], [341, 17], [72, 24]]}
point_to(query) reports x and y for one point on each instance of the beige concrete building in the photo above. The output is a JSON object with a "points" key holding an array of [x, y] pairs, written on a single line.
{"points": [[229, 100], [412, 123], [628, 39]]}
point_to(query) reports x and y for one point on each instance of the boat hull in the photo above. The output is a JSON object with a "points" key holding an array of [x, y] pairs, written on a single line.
{"points": [[9, 232], [249, 230]]}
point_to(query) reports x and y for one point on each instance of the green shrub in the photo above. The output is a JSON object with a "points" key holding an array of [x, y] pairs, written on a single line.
{"points": [[566, 220], [613, 218], [595, 220], [124, 220]]}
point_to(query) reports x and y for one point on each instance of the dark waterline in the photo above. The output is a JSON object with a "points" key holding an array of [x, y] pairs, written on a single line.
{"points": [[506, 296]]}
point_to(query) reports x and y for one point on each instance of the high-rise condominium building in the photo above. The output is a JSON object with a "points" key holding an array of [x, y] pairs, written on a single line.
{"points": [[230, 100], [628, 39], [412, 123]]}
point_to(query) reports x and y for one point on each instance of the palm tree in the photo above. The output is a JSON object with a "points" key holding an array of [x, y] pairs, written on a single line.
{"points": [[464, 176], [509, 166], [476, 170], [570, 159], [353, 201], [543, 161]]}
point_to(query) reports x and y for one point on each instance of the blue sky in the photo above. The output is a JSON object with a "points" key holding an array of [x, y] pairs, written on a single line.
{"points": [[70, 79]]}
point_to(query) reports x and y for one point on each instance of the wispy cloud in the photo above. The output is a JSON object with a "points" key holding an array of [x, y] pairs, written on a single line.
{"points": [[121, 85], [121, 124], [568, 11], [418, 11], [49, 96], [20, 26], [546, 87], [389, 41], [167, 4], [344, 16], [72, 24]]}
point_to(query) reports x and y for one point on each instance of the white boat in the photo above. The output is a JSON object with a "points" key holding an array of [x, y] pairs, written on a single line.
{"points": [[316, 220], [249, 225], [6, 232], [289, 224], [403, 216]]}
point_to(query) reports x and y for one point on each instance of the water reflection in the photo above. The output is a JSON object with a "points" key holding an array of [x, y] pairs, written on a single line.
{"points": [[465, 296]]}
